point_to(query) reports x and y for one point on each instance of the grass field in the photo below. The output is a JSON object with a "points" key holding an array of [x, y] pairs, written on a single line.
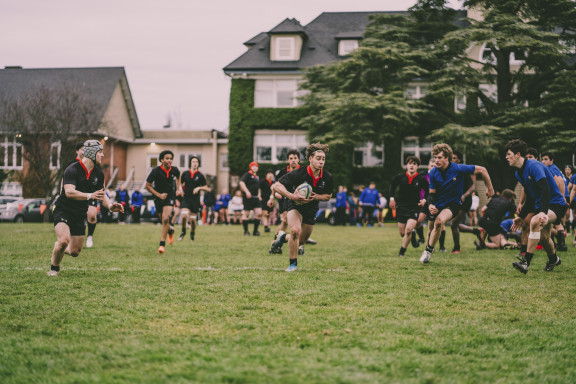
{"points": [[221, 309]]}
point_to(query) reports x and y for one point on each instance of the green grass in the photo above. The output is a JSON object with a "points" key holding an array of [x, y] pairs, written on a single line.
{"points": [[222, 309]]}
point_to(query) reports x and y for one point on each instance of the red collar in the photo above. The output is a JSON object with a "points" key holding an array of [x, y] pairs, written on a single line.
{"points": [[288, 169], [253, 174], [193, 174], [269, 181], [411, 178], [88, 173], [314, 180], [167, 172]]}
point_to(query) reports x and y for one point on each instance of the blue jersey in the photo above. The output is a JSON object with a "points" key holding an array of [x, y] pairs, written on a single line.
{"points": [[449, 184], [370, 197], [573, 179], [533, 171], [341, 200], [557, 172]]}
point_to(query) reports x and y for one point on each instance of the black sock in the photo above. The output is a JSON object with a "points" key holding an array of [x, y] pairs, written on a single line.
{"points": [[54, 268], [442, 239], [553, 258], [429, 248], [256, 224], [91, 229], [420, 232], [402, 251], [294, 261], [162, 243], [523, 248], [560, 237], [245, 224], [529, 257], [184, 231]]}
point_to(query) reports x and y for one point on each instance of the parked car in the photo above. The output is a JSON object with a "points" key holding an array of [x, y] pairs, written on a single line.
{"points": [[24, 211], [8, 199]]}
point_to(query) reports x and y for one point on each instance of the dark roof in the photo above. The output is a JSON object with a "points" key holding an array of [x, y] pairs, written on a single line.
{"points": [[97, 83], [319, 48]]}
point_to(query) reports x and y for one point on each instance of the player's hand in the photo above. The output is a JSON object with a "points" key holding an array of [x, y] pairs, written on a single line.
{"points": [[99, 195], [392, 204], [117, 207], [432, 208], [517, 224], [299, 199], [196, 190], [163, 196], [248, 195], [490, 192], [270, 203], [421, 203]]}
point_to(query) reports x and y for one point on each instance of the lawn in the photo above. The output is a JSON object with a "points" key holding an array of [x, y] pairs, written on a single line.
{"points": [[221, 309]]}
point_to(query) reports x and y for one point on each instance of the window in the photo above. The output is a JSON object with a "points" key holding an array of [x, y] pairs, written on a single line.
{"points": [[55, 155], [273, 147], [517, 57], [184, 160], [491, 91], [284, 48], [224, 161], [413, 146], [369, 155], [277, 94], [345, 47], [460, 103], [415, 91], [151, 162], [10, 154]]}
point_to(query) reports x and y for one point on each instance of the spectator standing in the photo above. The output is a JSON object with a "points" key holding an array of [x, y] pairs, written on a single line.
{"points": [[369, 200], [137, 202], [123, 198], [341, 201]]}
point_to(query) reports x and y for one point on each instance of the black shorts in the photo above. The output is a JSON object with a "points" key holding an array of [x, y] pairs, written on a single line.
{"points": [[454, 207], [491, 227], [403, 214], [76, 223], [251, 204], [282, 205], [193, 205], [265, 207], [160, 204], [308, 213], [467, 203], [560, 211], [93, 203]]}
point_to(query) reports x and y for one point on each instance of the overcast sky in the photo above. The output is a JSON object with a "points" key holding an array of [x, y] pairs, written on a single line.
{"points": [[173, 50]]}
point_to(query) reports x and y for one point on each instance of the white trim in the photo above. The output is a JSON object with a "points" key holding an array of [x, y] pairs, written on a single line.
{"points": [[416, 150], [344, 49], [16, 157], [58, 146], [271, 141]]}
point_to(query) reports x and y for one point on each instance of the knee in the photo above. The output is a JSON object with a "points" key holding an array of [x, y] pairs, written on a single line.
{"points": [[438, 224], [62, 244], [92, 220], [295, 232]]}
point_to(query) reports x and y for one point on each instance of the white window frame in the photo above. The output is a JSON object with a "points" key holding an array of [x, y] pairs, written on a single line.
{"points": [[459, 103], [420, 91], [285, 48], [275, 140], [223, 162], [267, 93], [513, 60], [367, 159], [415, 149], [17, 160], [347, 46], [186, 157], [58, 146]]}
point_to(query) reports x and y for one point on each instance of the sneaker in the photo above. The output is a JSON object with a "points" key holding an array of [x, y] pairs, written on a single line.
{"points": [[312, 242], [522, 266], [89, 242], [171, 235], [277, 245], [421, 241], [550, 266], [455, 251], [479, 246], [301, 250], [401, 254], [425, 258], [562, 248], [161, 249], [52, 273], [520, 255], [442, 250], [266, 229], [246, 233], [192, 236], [181, 237], [414, 240], [256, 233], [292, 268]]}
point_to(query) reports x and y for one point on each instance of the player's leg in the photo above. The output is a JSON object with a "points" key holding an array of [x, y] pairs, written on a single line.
{"points": [[408, 233], [165, 220], [257, 216], [63, 239], [455, 226], [92, 219], [184, 214], [245, 221], [443, 216], [295, 225], [75, 245]]}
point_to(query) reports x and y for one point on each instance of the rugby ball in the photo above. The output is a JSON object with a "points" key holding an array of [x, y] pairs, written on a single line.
{"points": [[304, 190]]}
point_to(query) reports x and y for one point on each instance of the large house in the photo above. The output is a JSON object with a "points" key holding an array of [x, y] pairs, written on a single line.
{"points": [[129, 151]]}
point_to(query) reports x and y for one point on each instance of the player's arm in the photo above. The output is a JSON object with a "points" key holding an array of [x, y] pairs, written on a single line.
{"points": [[479, 170], [323, 197], [244, 189], [392, 191], [281, 189], [572, 194], [149, 188], [73, 194], [432, 201], [560, 183], [109, 205], [471, 189]]}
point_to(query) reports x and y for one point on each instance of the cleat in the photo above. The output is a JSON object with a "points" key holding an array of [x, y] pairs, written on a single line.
{"points": [[520, 256], [480, 246], [277, 245], [246, 233], [89, 242], [266, 229], [256, 233], [414, 240], [425, 258], [171, 235], [312, 242], [455, 252], [421, 241], [401, 255], [550, 266], [192, 236], [442, 250], [161, 249], [181, 237], [522, 266], [301, 250], [561, 248], [292, 268], [52, 273]]}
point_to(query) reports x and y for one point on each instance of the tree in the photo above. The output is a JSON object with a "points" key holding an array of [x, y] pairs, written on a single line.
{"points": [[44, 116]]}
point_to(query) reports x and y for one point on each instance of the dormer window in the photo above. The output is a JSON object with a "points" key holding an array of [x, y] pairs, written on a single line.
{"points": [[286, 48], [345, 47]]}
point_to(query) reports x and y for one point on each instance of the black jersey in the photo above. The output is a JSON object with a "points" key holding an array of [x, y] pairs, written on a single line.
{"points": [[190, 181], [252, 182], [265, 190], [323, 185], [84, 181], [498, 207], [164, 181], [409, 189]]}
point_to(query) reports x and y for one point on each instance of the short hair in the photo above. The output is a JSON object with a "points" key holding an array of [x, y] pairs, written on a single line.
{"points": [[270, 171], [549, 154], [164, 153], [312, 148], [443, 148], [412, 159], [293, 152], [509, 194], [79, 145], [458, 154], [194, 157], [517, 146]]}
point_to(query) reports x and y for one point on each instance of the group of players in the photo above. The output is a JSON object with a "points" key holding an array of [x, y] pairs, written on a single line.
{"points": [[438, 197]]}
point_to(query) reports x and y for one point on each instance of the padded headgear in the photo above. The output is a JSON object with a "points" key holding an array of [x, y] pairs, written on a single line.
{"points": [[91, 148]]}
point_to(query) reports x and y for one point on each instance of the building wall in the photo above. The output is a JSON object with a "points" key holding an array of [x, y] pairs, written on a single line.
{"points": [[116, 118]]}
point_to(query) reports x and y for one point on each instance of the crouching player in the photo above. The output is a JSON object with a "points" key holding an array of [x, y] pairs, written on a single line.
{"points": [[302, 211], [82, 181]]}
